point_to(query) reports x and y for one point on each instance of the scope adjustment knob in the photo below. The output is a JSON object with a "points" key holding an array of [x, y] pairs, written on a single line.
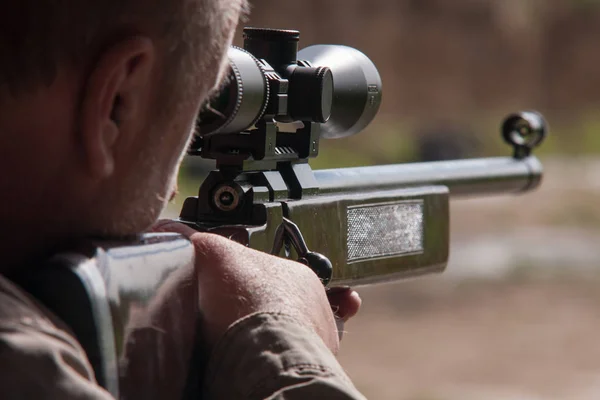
{"points": [[271, 34], [279, 47], [310, 94]]}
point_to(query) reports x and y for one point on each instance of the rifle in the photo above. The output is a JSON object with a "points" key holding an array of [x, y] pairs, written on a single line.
{"points": [[351, 226]]}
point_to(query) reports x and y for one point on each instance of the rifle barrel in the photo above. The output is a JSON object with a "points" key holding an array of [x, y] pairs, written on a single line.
{"points": [[478, 176]]}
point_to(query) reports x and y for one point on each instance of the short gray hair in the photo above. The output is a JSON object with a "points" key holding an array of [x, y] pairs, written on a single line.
{"points": [[37, 35]]}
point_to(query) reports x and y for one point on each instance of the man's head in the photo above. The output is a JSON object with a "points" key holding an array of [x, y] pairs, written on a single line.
{"points": [[97, 102]]}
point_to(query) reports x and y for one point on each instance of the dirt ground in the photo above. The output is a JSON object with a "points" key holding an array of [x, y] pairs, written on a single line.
{"points": [[433, 339], [519, 336]]}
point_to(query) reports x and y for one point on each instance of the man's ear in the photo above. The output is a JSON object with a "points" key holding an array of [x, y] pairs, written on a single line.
{"points": [[113, 100]]}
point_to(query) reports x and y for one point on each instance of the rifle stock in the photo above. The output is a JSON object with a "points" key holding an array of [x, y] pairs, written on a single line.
{"points": [[133, 307]]}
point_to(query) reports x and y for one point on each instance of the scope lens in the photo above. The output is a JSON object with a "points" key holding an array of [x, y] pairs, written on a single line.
{"points": [[356, 88], [241, 102]]}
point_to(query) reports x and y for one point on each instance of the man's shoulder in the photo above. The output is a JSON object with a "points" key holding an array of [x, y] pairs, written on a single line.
{"points": [[22, 314], [35, 353], [17, 306]]}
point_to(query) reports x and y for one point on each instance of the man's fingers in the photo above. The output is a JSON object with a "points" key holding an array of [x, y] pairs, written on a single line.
{"points": [[345, 303], [167, 225], [339, 324]]}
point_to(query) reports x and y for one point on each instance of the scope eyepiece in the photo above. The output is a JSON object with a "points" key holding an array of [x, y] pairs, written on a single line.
{"points": [[241, 101], [335, 86]]}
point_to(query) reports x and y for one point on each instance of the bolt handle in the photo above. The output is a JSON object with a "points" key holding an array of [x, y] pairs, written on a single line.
{"points": [[317, 262]]}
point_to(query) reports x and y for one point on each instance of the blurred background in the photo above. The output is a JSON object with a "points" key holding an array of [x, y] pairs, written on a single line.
{"points": [[516, 315]]}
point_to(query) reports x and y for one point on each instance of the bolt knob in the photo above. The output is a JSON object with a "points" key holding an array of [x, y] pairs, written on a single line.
{"points": [[319, 264]]}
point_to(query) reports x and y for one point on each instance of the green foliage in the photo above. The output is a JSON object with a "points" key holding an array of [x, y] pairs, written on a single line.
{"points": [[384, 142], [590, 134], [391, 141], [586, 4]]}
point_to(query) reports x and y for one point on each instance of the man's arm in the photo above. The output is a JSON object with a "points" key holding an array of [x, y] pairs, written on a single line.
{"points": [[268, 324], [272, 355], [267, 321], [264, 355]]}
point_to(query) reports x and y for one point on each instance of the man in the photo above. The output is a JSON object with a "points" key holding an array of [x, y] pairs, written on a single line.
{"points": [[97, 101]]}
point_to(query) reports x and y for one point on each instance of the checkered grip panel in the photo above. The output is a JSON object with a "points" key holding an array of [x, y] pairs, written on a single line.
{"points": [[383, 230]]}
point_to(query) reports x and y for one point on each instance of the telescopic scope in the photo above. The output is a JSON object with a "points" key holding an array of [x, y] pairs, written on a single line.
{"points": [[336, 86]]}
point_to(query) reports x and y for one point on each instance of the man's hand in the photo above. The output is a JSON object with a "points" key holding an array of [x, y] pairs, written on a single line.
{"points": [[235, 281]]}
